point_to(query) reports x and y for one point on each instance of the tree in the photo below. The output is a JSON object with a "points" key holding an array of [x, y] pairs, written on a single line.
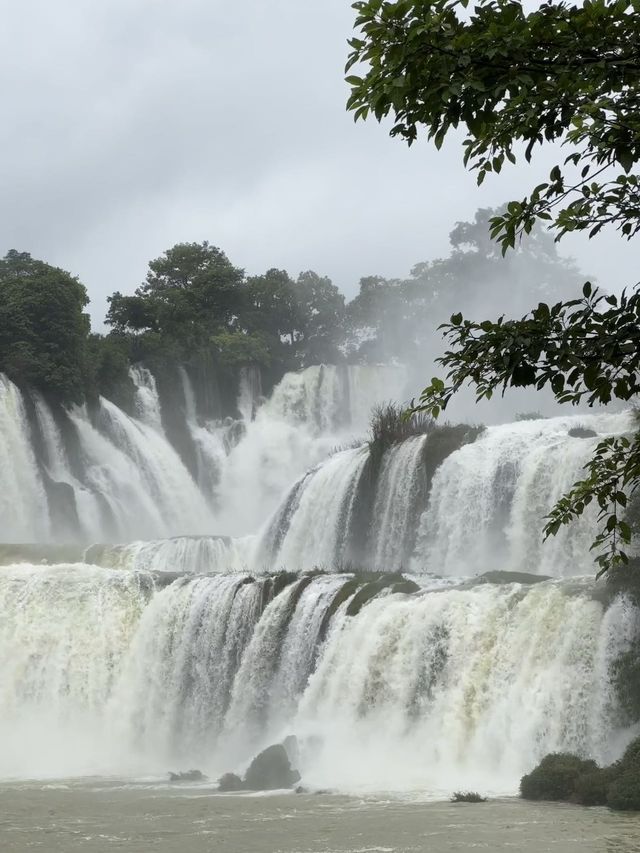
{"points": [[43, 327], [130, 313], [273, 306], [322, 308], [562, 72], [191, 293], [516, 80], [306, 313]]}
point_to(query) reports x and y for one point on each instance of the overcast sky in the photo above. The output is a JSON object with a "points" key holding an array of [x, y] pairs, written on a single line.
{"points": [[130, 125]]}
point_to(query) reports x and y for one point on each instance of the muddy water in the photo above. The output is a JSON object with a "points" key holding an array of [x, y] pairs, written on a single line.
{"points": [[94, 818]]}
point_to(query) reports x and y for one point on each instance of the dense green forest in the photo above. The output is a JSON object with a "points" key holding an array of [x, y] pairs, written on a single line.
{"points": [[197, 308]]}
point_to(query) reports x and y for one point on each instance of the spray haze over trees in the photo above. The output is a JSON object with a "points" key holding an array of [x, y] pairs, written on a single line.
{"points": [[517, 80], [195, 306]]}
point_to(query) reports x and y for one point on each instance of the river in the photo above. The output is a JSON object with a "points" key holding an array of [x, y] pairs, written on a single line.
{"points": [[95, 817]]}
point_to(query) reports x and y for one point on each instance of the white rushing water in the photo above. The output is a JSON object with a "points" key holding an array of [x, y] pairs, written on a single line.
{"points": [[484, 510], [181, 555], [23, 502], [122, 479], [309, 414], [177, 648], [489, 499], [104, 671], [401, 488], [311, 528]]}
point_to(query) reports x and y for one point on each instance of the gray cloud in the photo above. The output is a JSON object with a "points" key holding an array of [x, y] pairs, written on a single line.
{"points": [[129, 125]]}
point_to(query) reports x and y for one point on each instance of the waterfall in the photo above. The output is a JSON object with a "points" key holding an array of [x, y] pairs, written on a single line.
{"points": [[489, 499], [209, 441], [310, 413], [109, 671], [400, 493], [311, 529], [64, 635], [483, 510], [147, 400], [126, 481], [329, 399], [144, 472], [23, 502], [218, 612], [87, 507], [175, 682], [249, 392], [428, 691]]}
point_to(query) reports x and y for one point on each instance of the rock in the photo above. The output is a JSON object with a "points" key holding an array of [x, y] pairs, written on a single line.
{"points": [[188, 776], [230, 782], [582, 432], [271, 769], [301, 790]]}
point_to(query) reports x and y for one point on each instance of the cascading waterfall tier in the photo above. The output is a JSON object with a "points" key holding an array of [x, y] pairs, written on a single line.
{"points": [[110, 671], [180, 647], [24, 513], [309, 414], [488, 500], [105, 475], [478, 506]]}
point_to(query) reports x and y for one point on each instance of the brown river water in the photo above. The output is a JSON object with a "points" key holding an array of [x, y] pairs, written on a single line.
{"points": [[94, 817]]}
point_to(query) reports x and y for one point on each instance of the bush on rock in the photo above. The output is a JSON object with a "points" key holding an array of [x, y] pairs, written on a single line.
{"points": [[555, 777]]}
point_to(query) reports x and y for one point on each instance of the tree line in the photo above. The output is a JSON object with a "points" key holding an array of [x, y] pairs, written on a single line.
{"points": [[195, 305]]}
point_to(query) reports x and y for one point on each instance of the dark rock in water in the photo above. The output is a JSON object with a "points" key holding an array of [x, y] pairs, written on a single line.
{"points": [[188, 776], [301, 790], [271, 769], [230, 782], [582, 432]]}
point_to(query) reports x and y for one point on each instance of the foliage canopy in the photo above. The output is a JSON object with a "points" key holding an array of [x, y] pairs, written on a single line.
{"points": [[43, 327], [516, 80]]}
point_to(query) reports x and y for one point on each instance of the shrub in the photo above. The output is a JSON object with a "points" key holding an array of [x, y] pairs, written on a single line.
{"points": [[389, 425], [230, 782], [555, 777], [566, 777], [467, 797], [591, 788], [624, 792]]}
